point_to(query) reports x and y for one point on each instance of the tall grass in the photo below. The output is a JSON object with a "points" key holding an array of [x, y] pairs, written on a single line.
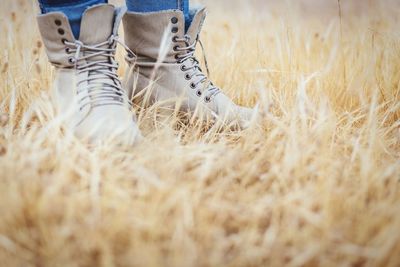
{"points": [[316, 183]]}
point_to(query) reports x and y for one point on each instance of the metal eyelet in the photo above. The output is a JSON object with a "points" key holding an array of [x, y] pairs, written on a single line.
{"points": [[174, 20], [57, 22], [187, 77], [198, 93], [192, 85], [61, 31]]}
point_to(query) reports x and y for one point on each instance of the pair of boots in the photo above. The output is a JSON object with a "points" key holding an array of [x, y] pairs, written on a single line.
{"points": [[90, 96]]}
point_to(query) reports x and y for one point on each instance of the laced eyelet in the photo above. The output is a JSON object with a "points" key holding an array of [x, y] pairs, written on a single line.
{"points": [[198, 93], [71, 60], [68, 50], [64, 40], [174, 39], [183, 68], [207, 99], [192, 85], [187, 77], [176, 48], [177, 57]]}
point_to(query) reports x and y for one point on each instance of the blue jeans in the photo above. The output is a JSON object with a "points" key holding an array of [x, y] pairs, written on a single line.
{"points": [[74, 9], [157, 5]]}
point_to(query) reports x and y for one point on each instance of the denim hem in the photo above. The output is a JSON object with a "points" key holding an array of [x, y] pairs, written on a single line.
{"points": [[48, 6]]}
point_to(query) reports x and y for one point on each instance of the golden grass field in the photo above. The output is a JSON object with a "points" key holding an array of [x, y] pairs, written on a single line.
{"points": [[316, 183]]}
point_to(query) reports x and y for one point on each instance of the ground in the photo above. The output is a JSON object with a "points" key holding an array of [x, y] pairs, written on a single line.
{"points": [[315, 183]]}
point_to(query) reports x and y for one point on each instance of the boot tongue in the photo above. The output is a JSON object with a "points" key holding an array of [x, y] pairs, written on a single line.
{"points": [[96, 27], [197, 23], [97, 24]]}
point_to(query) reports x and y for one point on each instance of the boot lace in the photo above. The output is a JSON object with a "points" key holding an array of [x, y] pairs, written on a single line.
{"points": [[187, 54], [104, 87]]}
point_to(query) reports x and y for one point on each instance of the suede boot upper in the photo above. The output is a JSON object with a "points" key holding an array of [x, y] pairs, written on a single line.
{"points": [[87, 90], [164, 63]]}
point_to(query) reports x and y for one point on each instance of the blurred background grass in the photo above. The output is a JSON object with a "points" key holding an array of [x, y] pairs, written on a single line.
{"points": [[316, 184]]}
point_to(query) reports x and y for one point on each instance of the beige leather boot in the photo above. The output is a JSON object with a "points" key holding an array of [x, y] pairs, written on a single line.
{"points": [[87, 91], [167, 71]]}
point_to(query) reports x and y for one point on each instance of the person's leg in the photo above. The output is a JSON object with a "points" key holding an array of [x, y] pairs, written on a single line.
{"points": [[159, 5], [73, 9]]}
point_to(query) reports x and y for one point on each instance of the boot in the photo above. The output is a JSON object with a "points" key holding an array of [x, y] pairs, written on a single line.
{"points": [[163, 66], [87, 92]]}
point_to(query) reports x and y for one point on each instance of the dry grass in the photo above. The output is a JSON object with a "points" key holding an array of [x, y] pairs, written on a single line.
{"points": [[316, 184]]}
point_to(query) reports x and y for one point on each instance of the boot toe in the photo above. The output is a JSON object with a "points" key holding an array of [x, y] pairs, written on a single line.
{"points": [[114, 125], [245, 116]]}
